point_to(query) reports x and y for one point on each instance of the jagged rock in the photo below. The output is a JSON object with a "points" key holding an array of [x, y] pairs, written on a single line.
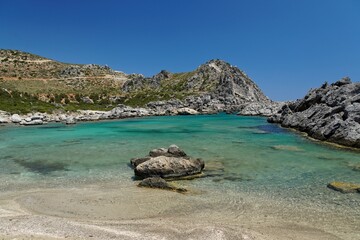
{"points": [[158, 182], [15, 118], [344, 187], [261, 109], [169, 167], [330, 113]]}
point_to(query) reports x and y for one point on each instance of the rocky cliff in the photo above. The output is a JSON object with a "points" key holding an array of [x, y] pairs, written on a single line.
{"points": [[330, 113]]}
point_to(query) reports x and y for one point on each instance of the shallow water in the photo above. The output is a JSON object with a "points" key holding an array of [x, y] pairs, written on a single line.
{"points": [[245, 156]]}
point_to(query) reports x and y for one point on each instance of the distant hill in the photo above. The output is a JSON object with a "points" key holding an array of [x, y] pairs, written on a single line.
{"points": [[90, 86]]}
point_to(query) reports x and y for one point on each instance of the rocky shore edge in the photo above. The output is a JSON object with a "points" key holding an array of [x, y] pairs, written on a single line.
{"points": [[330, 113], [193, 106]]}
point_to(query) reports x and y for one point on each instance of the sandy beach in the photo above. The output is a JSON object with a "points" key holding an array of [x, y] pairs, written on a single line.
{"points": [[116, 211]]}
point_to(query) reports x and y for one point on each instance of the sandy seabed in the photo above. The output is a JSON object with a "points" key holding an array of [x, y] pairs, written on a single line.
{"points": [[124, 211]]}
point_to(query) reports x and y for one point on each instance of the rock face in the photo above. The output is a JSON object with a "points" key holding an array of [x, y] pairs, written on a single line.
{"points": [[167, 163], [329, 113]]}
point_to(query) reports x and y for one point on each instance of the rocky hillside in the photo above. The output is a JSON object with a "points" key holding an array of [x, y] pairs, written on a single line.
{"points": [[33, 74], [330, 113], [213, 86]]}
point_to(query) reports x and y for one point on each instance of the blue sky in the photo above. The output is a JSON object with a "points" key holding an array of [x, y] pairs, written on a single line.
{"points": [[285, 46]]}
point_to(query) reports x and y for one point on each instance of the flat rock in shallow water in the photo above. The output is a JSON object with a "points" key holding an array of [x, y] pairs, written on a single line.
{"points": [[344, 187], [158, 182]]}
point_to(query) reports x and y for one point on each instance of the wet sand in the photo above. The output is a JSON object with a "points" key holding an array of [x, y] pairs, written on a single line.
{"points": [[124, 211]]}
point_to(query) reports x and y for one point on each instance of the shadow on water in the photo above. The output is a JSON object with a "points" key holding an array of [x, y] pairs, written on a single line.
{"points": [[41, 166], [161, 131], [264, 129]]}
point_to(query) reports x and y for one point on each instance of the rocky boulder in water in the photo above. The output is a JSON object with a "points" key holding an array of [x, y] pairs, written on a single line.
{"points": [[330, 113], [172, 162]]}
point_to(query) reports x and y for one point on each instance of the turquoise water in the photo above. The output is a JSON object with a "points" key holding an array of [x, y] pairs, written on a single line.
{"points": [[248, 154]]}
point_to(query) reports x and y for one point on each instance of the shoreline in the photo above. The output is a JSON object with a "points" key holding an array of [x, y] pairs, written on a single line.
{"points": [[79, 213]]}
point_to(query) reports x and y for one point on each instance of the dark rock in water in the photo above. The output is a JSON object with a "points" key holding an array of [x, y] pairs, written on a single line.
{"points": [[169, 167], [330, 113], [158, 182], [344, 187], [158, 152], [172, 151], [175, 151], [42, 167], [136, 161]]}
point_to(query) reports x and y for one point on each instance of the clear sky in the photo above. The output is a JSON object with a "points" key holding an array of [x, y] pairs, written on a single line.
{"points": [[285, 46]]}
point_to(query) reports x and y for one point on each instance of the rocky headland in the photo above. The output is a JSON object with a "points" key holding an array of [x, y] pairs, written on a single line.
{"points": [[330, 113]]}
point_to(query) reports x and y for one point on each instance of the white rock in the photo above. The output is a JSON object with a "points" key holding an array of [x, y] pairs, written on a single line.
{"points": [[15, 118]]}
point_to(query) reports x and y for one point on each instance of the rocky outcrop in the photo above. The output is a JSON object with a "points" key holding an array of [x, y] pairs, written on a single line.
{"points": [[214, 86], [260, 109], [172, 162], [329, 113]]}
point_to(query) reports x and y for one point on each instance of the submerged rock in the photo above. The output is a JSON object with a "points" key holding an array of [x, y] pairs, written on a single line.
{"points": [[344, 187], [158, 182]]}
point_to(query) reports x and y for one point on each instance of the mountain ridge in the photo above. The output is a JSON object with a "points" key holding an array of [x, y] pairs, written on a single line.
{"points": [[92, 84]]}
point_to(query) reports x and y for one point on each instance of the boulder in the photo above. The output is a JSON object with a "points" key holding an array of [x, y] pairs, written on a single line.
{"points": [[344, 187], [15, 118], [158, 152], [158, 182], [187, 111], [70, 120], [175, 151], [169, 167]]}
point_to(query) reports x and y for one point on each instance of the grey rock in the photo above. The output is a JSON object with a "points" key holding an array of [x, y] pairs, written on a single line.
{"points": [[70, 120], [158, 182], [136, 161], [330, 113], [15, 118], [169, 167], [158, 152], [28, 122], [175, 151]]}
